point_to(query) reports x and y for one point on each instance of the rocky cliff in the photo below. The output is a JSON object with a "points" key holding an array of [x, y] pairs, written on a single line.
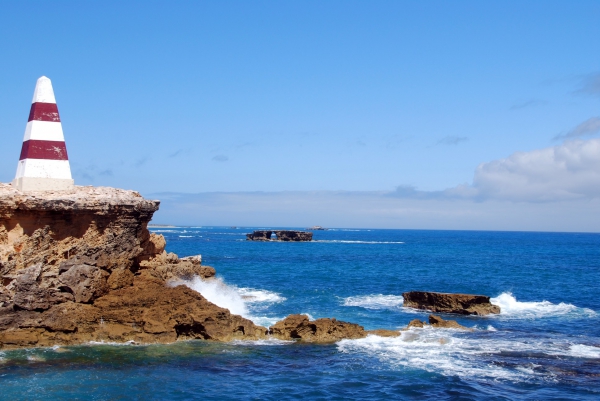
{"points": [[81, 265]]}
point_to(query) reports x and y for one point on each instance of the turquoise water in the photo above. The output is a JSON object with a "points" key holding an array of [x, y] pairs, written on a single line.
{"points": [[544, 345]]}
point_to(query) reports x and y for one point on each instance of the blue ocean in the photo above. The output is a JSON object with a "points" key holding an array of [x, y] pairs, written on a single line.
{"points": [[545, 345]]}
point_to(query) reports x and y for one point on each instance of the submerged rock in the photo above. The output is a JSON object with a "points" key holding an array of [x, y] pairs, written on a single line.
{"points": [[464, 304]]}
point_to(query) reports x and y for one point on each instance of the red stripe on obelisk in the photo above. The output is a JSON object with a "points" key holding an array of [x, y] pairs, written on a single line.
{"points": [[44, 112], [49, 150]]}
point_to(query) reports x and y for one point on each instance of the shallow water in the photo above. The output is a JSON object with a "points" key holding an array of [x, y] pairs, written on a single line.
{"points": [[544, 345]]}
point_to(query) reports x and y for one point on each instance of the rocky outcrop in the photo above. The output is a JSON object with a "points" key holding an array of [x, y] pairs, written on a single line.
{"points": [[438, 323], [81, 265], [259, 235], [299, 327], [464, 304], [280, 235]]}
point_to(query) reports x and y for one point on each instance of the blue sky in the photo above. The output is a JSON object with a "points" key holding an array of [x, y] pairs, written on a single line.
{"points": [[448, 107]]}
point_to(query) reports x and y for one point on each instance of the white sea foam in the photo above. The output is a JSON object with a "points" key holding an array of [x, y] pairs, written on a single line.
{"points": [[584, 351], [377, 301], [511, 308], [186, 236], [130, 342], [240, 301], [268, 342], [454, 353]]}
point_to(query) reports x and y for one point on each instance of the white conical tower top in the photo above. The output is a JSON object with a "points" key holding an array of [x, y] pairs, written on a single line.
{"points": [[43, 91], [44, 163]]}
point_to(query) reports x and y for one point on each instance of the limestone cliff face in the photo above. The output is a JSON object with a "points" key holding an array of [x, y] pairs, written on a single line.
{"points": [[81, 265]]}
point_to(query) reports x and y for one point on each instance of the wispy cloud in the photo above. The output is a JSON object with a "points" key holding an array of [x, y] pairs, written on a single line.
{"points": [[220, 158], [141, 161], [452, 140], [528, 103], [91, 172], [590, 85], [176, 153], [588, 127]]}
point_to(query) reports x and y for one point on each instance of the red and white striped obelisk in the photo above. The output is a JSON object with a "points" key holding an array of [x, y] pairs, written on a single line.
{"points": [[44, 164]]}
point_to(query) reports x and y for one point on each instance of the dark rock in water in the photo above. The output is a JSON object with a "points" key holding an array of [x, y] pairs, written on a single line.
{"points": [[281, 235], [293, 236], [438, 322], [464, 304], [259, 236], [415, 323], [299, 327]]}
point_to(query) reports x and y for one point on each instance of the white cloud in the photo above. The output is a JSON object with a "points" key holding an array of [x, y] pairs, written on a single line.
{"points": [[567, 171]]}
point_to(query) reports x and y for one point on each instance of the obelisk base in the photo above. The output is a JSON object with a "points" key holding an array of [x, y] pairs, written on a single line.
{"points": [[42, 184]]}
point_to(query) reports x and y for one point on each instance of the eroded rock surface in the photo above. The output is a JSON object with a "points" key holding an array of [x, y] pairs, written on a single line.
{"points": [[437, 322], [299, 327], [464, 304], [81, 265]]}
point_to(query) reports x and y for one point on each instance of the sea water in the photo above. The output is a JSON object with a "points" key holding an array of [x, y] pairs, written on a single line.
{"points": [[544, 345]]}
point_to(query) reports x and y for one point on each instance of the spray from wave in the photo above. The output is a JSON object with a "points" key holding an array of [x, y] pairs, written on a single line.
{"points": [[377, 301], [511, 308], [240, 301]]}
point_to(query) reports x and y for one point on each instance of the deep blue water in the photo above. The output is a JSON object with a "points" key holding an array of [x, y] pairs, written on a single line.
{"points": [[544, 345]]}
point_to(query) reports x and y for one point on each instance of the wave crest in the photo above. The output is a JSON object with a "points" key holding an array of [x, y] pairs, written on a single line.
{"points": [[510, 307], [240, 301]]}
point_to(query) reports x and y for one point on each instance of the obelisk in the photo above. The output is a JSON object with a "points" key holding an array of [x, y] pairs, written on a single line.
{"points": [[44, 163]]}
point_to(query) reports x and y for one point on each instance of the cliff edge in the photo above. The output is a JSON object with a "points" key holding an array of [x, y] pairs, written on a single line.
{"points": [[80, 265]]}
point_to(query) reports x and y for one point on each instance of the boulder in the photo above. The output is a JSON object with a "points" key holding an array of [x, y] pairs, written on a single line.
{"points": [[464, 304], [300, 328], [438, 322], [415, 323]]}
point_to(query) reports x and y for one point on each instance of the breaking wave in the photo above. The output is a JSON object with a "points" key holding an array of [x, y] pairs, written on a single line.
{"points": [[511, 308], [240, 301]]}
